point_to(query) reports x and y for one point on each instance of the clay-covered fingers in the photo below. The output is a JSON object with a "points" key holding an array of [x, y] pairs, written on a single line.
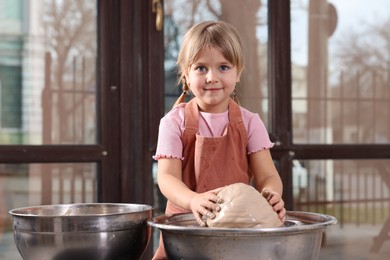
{"points": [[210, 200], [276, 201], [279, 208], [215, 191], [278, 205], [198, 218], [271, 196], [266, 194], [282, 214], [204, 204], [212, 195]]}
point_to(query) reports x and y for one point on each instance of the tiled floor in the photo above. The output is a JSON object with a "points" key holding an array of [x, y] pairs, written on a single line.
{"points": [[353, 242], [8, 249]]}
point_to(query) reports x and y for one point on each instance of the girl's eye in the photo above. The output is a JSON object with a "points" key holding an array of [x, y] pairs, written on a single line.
{"points": [[224, 68], [201, 68]]}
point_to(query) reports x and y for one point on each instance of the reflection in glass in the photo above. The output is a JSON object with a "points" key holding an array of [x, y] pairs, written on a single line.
{"points": [[341, 57], [357, 193], [47, 72]]}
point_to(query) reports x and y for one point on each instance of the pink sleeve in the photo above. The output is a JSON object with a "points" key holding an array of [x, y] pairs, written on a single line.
{"points": [[169, 143], [258, 137]]}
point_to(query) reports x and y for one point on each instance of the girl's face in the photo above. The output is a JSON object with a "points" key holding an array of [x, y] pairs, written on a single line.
{"points": [[212, 79]]}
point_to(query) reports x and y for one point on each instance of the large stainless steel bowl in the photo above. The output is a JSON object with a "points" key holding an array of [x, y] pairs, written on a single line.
{"points": [[300, 238], [98, 231]]}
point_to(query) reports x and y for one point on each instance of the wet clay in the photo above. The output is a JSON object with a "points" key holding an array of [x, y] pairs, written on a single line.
{"points": [[244, 207]]}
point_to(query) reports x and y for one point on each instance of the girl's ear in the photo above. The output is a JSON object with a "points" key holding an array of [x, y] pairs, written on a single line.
{"points": [[238, 77], [239, 73]]}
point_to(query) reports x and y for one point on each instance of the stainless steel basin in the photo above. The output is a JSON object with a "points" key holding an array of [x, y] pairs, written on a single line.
{"points": [[299, 239], [98, 231]]}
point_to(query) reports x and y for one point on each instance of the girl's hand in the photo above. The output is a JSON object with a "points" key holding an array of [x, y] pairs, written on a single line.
{"points": [[203, 204], [276, 201]]}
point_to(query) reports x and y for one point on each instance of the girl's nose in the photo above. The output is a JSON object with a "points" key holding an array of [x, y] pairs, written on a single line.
{"points": [[211, 77]]}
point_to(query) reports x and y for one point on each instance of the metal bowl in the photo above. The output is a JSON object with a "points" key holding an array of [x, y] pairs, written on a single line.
{"points": [[82, 231], [300, 238]]}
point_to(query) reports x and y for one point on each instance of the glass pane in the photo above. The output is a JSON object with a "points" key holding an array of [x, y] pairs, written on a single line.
{"points": [[357, 193], [340, 67], [47, 72], [23, 185]]}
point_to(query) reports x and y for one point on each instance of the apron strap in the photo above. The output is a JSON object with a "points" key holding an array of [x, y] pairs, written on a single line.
{"points": [[234, 113], [191, 117]]}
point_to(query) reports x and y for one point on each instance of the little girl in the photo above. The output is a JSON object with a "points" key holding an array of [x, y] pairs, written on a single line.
{"points": [[211, 141]]}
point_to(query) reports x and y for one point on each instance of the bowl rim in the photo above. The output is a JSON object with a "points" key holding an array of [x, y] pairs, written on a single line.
{"points": [[24, 211], [294, 218]]}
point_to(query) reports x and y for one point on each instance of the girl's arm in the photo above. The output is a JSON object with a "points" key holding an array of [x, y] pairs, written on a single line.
{"points": [[169, 178], [267, 180]]}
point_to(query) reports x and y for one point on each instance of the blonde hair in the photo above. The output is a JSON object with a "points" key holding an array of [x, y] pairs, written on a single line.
{"points": [[217, 34]]}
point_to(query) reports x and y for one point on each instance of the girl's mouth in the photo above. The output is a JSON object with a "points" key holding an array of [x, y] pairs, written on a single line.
{"points": [[212, 89]]}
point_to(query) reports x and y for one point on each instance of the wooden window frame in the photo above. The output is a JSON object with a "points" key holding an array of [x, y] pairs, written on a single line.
{"points": [[279, 73], [129, 106], [131, 103]]}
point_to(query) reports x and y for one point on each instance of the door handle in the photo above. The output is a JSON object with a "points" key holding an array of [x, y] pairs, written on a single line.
{"points": [[158, 9]]}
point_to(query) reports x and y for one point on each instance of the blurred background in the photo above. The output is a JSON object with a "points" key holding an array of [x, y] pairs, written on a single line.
{"points": [[317, 72]]}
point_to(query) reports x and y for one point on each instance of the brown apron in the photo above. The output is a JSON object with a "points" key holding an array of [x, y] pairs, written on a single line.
{"points": [[211, 162]]}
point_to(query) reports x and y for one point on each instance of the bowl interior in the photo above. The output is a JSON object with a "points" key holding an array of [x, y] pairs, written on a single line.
{"points": [[295, 222]]}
